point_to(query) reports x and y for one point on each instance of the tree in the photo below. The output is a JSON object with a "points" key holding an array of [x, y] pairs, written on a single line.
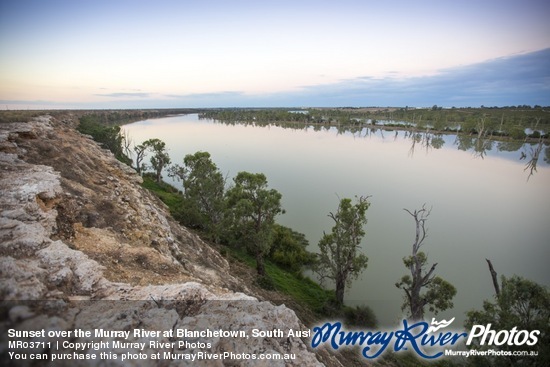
{"points": [[439, 293], [252, 209], [140, 150], [160, 159], [204, 187], [521, 304], [339, 258]]}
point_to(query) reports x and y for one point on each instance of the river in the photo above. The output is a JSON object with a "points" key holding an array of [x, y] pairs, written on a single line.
{"points": [[483, 204]]}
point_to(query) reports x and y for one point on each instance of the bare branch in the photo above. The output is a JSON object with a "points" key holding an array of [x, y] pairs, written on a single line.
{"points": [[494, 277], [428, 277]]}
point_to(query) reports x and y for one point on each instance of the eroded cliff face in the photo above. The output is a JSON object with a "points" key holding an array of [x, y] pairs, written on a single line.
{"points": [[78, 231]]}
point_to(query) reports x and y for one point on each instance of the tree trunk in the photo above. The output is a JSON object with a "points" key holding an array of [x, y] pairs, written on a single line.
{"points": [[340, 289], [417, 306], [260, 265]]}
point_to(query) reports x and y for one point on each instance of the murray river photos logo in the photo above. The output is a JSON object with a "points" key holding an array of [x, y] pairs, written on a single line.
{"points": [[429, 341]]}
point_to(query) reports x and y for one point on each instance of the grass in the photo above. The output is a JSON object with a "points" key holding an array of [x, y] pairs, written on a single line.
{"points": [[301, 289], [169, 195], [291, 285], [17, 116]]}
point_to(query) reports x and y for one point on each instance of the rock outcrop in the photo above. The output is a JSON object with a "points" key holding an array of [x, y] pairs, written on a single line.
{"points": [[84, 246]]}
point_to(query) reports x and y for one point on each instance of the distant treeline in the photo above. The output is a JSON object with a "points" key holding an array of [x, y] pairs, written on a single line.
{"points": [[513, 122], [121, 117]]}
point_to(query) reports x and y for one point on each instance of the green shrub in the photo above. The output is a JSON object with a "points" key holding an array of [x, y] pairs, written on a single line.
{"points": [[289, 249], [360, 316], [110, 137], [265, 282], [516, 132]]}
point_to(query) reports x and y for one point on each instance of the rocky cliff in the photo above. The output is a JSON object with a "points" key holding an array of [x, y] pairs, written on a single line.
{"points": [[81, 236]]}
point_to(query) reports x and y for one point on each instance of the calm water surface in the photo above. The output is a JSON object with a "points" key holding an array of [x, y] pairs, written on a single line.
{"points": [[482, 207]]}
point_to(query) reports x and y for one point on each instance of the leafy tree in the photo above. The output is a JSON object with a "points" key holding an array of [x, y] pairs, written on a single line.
{"points": [[160, 159], [339, 259], [252, 209], [140, 150], [204, 185], [439, 293], [521, 304]]}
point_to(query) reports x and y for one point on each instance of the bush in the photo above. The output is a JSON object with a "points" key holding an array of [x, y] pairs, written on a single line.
{"points": [[109, 137], [289, 249], [360, 316], [265, 282], [517, 132]]}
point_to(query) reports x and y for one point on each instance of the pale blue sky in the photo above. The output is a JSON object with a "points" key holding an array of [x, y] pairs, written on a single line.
{"points": [[131, 54]]}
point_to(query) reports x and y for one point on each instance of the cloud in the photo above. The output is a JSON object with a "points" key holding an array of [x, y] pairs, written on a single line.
{"points": [[513, 80], [222, 94], [125, 95], [25, 102], [518, 79]]}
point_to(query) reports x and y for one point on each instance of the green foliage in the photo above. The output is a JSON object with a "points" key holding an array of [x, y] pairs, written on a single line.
{"points": [[265, 282], [496, 121], [517, 132], [260, 115], [204, 190], [360, 317], [525, 305], [141, 151], [439, 295], [421, 287], [160, 158], [289, 249], [171, 196], [251, 212], [110, 137], [339, 258], [250, 206], [302, 289]]}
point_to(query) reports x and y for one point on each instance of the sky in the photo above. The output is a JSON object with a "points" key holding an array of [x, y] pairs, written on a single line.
{"points": [[241, 53]]}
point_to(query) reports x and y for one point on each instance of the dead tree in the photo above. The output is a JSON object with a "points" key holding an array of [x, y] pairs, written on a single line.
{"points": [[494, 277], [439, 293]]}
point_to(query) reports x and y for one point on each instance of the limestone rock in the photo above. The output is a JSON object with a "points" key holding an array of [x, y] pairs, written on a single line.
{"points": [[83, 245]]}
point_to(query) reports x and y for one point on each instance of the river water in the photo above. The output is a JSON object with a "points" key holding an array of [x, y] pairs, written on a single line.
{"points": [[485, 204]]}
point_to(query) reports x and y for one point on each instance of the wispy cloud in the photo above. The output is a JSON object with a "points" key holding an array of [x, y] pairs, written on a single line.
{"points": [[25, 102], [519, 79], [124, 95], [513, 80], [209, 95]]}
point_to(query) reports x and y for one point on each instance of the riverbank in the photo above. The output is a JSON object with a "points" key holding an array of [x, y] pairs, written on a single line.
{"points": [[79, 231]]}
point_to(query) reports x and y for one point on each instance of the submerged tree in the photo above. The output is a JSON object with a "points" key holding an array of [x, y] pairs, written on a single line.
{"points": [[340, 259], [439, 293], [251, 212]]}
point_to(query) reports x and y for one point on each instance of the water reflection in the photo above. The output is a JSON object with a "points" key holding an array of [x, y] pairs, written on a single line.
{"points": [[482, 207], [532, 163], [426, 141], [479, 144]]}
